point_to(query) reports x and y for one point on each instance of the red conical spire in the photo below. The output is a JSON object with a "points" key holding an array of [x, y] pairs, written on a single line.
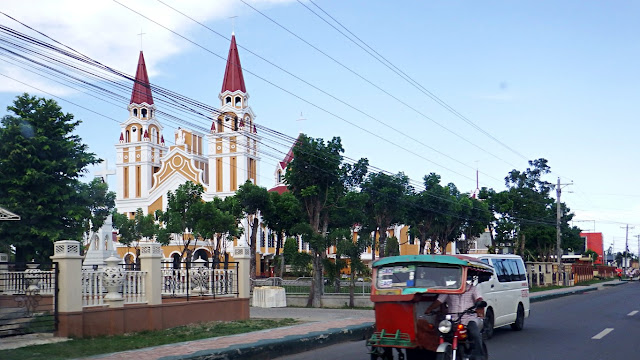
{"points": [[141, 89], [233, 79]]}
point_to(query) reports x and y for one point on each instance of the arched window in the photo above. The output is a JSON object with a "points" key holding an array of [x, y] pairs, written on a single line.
{"points": [[175, 260], [135, 112], [220, 128], [144, 113], [150, 113], [235, 123], [227, 100], [238, 101], [279, 176], [154, 136], [126, 136]]}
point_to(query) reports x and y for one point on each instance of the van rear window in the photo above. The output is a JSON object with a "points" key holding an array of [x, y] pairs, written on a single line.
{"points": [[509, 270]]}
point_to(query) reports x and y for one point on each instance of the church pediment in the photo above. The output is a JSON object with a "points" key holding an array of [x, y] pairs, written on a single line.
{"points": [[177, 163]]}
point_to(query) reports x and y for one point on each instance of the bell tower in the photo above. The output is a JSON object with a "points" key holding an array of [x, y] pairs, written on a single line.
{"points": [[233, 140], [140, 147]]}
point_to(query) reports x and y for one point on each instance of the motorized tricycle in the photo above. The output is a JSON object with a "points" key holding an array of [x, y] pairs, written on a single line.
{"points": [[402, 289]]}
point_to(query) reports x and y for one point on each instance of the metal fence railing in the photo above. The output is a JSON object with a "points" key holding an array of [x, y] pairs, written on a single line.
{"points": [[199, 280]]}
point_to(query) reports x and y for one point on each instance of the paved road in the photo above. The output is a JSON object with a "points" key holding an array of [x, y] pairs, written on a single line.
{"points": [[599, 325]]}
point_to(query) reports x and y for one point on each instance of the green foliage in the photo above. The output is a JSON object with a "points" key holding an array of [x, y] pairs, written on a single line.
{"points": [[183, 208], [290, 250], [253, 200], [133, 230], [392, 247], [99, 203], [527, 213], [41, 161], [387, 202], [591, 254]]}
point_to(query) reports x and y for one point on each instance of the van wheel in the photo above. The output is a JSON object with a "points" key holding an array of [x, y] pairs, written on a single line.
{"points": [[489, 321], [519, 324]]}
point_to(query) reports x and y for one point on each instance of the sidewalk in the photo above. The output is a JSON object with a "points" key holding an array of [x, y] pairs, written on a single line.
{"points": [[320, 327]]}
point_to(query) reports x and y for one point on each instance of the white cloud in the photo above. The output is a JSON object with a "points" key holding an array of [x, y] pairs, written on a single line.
{"points": [[106, 31]]}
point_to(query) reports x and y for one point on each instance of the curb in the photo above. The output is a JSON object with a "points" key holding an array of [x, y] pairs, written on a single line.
{"points": [[272, 348], [538, 298]]}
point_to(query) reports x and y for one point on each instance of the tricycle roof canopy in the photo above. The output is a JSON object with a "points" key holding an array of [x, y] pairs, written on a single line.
{"points": [[459, 260]]}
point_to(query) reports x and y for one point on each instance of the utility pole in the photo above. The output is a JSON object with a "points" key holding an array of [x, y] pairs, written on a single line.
{"points": [[626, 248], [558, 231]]}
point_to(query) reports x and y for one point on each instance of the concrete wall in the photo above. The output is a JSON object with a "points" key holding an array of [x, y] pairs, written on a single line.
{"points": [[132, 318]]}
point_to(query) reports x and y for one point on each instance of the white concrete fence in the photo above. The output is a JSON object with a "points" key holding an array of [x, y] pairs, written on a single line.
{"points": [[114, 286]]}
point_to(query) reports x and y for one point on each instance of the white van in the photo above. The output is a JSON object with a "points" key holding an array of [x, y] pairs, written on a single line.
{"points": [[506, 293]]}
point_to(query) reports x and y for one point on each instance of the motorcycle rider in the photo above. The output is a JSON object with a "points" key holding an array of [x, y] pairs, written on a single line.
{"points": [[458, 303]]}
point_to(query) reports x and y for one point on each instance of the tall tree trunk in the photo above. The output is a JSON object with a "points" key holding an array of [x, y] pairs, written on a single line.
{"points": [[383, 242], [352, 287], [522, 243], [252, 247], [279, 254]]}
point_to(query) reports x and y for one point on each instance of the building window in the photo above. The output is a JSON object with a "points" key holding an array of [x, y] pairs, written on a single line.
{"points": [[135, 112], [238, 101], [227, 100], [144, 113]]}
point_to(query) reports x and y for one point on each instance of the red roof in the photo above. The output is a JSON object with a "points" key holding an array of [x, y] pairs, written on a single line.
{"points": [[233, 79], [141, 88], [280, 189]]}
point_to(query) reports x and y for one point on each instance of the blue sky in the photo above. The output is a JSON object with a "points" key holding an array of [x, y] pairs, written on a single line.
{"points": [[551, 79]]}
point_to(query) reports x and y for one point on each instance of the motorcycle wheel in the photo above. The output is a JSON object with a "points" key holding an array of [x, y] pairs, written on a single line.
{"points": [[447, 355], [485, 352], [378, 353]]}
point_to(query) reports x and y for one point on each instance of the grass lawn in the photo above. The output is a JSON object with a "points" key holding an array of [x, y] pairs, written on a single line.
{"points": [[76, 348]]}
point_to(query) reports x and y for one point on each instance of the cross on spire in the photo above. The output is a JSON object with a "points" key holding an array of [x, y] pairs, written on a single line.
{"points": [[233, 23], [141, 33]]}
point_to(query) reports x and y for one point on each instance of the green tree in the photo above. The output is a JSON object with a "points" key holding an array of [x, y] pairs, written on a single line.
{"points": [[387, 200], [218, 220], [428, 212], [99, 203], [283, 214], [592, 255], [41, 162], [254, 200], [527, 213], [132, 231], [318, 177], [183, 208]]}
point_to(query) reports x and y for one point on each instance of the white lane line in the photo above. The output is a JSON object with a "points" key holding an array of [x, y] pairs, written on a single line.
{"points": [[632, 313], [602, 334]]}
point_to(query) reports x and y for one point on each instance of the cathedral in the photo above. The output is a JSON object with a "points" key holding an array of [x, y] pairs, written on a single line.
{"points": [[148, 166]]}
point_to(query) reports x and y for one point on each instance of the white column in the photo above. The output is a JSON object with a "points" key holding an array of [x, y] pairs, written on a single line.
{"points": [[151, 263], [67, 254], [242, 254], [4, 267]]}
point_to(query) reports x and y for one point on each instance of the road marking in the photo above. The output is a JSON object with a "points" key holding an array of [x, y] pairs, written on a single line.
{"points": [[632, 313], [602, 334]]}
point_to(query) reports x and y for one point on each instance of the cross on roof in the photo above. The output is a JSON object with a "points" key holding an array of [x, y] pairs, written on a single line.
{"points": [[104, 172]]}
